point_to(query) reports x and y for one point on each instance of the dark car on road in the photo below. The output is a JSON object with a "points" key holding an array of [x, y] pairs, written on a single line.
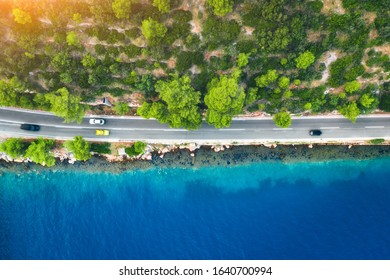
{"points": [[315, 132], [30, 127]]}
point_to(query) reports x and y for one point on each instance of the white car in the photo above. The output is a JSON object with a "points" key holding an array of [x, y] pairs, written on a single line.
{"points": [[96, 121]]}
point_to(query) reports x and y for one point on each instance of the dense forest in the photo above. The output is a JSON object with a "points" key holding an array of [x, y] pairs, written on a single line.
{"points": [[181, 61]]}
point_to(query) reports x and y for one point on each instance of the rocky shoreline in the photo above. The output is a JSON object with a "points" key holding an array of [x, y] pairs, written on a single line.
{"points": [[204, 156]]}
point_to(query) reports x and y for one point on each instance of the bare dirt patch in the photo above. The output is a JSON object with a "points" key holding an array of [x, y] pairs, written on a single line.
{"points": [[248, 30], [332, 6], [171, 63], [327, 58], [159, 72], [217, 53], [385, 49], [195, 70], [373, 34], [314, 36], [369, 17], [377, 71], [197, 6]]}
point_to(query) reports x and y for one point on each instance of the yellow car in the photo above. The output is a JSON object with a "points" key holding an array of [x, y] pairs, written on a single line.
{"points": [[103, 132]]}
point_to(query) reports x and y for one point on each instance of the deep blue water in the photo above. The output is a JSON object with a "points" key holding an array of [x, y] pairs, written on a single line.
{"points": [[329, 210]]}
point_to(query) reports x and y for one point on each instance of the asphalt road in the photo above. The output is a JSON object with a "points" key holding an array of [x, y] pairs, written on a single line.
{"points": [[241, 130]]}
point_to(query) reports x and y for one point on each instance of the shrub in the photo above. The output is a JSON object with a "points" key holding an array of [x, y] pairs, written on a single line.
{"points": [[121, 108], [385, 103], [136, 149], [133, 33], [132, 51], [377, 141], [101, 148], [220, 32], [184, 61], [344, 69], [100, 49], [79, 147]]}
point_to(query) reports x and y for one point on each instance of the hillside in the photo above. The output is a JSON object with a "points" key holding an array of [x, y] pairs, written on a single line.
{"points": [[179, 61]]}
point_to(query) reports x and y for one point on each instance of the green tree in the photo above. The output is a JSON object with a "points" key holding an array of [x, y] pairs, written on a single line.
{"points": [[77, 18], [88, 61], [136, 149], [13, 147], [282, 119], [221, 7], [66, 106], [121, 8], [350, 111], [162, 5], [284, 82], [144, 110], [224, 99], [266, 79], [21, 17], [307, 106], [61, 61], [152, 29], [182, 102], [251, 96], [121, 108], [305, 59], [242, 60], [283, 61], [39, 152], [352, 86], [155, 110], [72, 39], [79, 147], [10, 92], [366, 100], [66, 78]]}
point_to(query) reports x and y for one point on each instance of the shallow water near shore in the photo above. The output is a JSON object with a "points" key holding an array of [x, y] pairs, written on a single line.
{"points": [[335, 209]]}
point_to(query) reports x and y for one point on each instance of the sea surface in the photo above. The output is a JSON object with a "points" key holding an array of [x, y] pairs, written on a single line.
{"points": [[317, 210]]}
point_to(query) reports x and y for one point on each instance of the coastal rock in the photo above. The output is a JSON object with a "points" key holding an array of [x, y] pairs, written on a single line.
{"points": [[192, 147]]}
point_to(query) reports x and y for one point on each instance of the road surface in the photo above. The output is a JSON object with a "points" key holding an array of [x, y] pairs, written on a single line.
{"points": [[246, 130]]}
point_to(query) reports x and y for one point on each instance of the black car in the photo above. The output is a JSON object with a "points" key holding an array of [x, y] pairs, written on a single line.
{"points": [[315, 132], [31, 127]]}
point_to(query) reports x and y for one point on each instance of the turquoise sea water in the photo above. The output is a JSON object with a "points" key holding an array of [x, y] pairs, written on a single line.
{"points": [[328, 210]]}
